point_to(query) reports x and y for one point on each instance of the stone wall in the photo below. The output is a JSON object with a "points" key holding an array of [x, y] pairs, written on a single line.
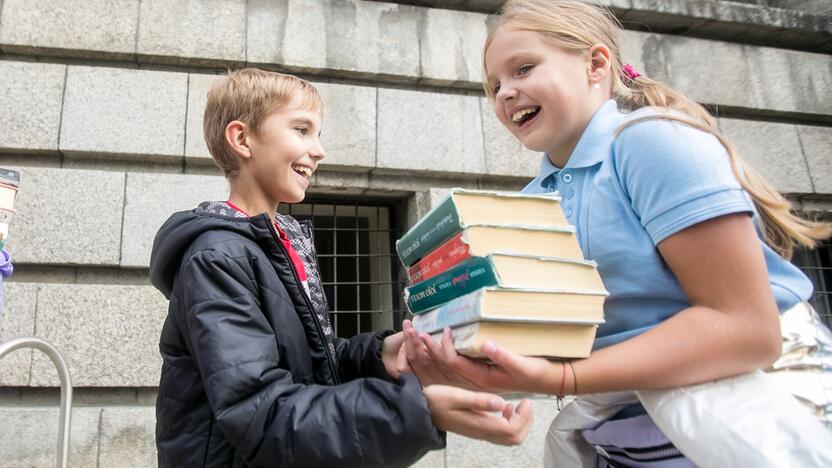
{"points": [[101, 109]]}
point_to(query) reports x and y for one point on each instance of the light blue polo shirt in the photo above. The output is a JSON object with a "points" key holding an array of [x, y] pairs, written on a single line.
{"points": [[625, 195]]}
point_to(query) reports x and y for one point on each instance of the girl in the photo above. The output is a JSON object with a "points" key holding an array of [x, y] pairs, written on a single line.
{"points": [[690, 242]]}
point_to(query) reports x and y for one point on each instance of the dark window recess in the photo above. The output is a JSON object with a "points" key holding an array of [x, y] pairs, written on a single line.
{"points": [[817, 265], [355, 242]]}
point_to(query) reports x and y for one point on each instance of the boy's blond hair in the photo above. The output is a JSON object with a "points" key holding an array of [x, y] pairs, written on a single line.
{"points": [[250, 95]]}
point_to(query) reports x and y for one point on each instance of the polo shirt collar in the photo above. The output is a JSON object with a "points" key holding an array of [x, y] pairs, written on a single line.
{"points": [[593, 146]]}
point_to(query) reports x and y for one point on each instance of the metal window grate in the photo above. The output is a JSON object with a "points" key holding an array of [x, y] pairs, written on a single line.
{"points": [[817, 265], [355, 243]]}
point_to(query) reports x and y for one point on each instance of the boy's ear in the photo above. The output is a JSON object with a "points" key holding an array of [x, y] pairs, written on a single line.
{"points": [[236, 137], [599, 63]]}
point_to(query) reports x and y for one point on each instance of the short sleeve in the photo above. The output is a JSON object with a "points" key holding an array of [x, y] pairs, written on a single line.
{"points": [[676, 176]]}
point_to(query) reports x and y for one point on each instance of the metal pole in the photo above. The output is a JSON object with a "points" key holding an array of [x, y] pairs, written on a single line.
{"points": [[7, 347]]}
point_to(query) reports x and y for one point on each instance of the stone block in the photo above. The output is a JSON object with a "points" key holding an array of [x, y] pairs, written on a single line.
{"points": [[151, 199], [94, 28], [451, 46], [17, 319], [791, 81], [644, 52], [504, 155], [30, 99], [66, 216], [773, 149], [109, 334], [430, 132], [817, 148], [356, 37], [130, 112], [198, 86], [471, 453], [128, 437], [695, 65], [349, 127], [187, 32], [30, 436]]}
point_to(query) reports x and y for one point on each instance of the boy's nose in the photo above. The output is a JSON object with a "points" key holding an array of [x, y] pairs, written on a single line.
{"points": [[317, 152]]}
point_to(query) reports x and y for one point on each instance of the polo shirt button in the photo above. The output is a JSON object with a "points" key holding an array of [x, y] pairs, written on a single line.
{"points": [[569, 193], [567, 177]]}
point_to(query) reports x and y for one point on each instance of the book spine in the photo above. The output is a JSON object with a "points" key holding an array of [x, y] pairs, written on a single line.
{"points": [[432, 230], [452, 252], [469, 276], [463, 309]]}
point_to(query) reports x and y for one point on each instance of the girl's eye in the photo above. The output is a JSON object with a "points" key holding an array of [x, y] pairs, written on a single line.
{"points": [[496, 88], [524, 69]]}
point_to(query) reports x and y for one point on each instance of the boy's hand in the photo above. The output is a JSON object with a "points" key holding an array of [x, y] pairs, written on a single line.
{"points": [[469, 413], [393, 357]]}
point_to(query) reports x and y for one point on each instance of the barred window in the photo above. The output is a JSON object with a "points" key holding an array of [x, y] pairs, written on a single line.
{"points": [[355, 243], [817, 265]]}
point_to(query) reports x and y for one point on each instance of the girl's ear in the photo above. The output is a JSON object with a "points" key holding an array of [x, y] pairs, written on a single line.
{"points": [[236, 137], [599, 63]]}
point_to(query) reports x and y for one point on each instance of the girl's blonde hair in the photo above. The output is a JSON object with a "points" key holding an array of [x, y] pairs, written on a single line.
{"points": [[577, 27]]}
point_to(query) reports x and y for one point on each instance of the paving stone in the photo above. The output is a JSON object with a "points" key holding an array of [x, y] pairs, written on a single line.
{"points": [[30, 437], [128, 437], [451, 46], [188, 32], [356, 37], [17, 320], [504, 155], [430, 132], [48, 227], [109, 334], [151, 199], [92, 28], [30, 99], [117, 111], [817, 148], [773, 149]]}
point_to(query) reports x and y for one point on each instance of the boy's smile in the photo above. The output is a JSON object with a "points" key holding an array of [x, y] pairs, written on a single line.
{"points": [[285, 151]]}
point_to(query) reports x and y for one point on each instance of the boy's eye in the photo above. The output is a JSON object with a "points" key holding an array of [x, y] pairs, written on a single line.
{"points": [[302, 130]]}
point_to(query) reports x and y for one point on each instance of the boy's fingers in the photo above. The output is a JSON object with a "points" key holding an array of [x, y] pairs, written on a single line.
{"points": [[474, 401]]}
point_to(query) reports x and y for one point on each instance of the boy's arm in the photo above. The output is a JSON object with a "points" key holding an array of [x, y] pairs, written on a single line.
{"points": [[360, 355], [270, 419]]}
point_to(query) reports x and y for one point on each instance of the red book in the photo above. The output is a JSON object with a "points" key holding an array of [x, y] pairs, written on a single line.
{"points": [[452, 252]]}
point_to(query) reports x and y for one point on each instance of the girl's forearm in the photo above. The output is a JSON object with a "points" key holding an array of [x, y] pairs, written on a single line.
{"points": [[696, 345]]}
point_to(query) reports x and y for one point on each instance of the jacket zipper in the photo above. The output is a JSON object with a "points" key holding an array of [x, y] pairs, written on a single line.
{"points": [[306, 299]]}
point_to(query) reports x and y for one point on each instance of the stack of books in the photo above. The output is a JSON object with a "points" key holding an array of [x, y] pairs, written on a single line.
{"points": [[9, 180], [502, 267]]}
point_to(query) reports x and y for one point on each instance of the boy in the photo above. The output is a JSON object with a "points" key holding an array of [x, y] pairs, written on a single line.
{"points": [[252, 373]]}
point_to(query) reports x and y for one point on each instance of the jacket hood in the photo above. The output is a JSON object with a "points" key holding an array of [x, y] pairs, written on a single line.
{"points": [[182, 228]]}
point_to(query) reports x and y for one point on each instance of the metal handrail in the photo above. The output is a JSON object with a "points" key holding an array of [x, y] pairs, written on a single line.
{"points": [[7, 347]]}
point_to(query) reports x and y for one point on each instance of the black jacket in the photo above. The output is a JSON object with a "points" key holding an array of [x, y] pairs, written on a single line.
{"points": [[252, 375]]}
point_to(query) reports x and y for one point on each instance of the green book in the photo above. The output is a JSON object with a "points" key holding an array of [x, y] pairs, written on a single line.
{"points": [[462, 208], [506, 270]]}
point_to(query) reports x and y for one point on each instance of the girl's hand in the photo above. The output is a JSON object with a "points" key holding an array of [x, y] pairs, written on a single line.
{"points": [[420, 361], [506, 372], [468, 413]]}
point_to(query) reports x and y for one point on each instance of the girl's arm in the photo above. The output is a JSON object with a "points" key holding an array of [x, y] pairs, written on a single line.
{"points": [[732, 327]]}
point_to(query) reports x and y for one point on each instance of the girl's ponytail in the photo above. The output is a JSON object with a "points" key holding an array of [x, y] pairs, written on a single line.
{"points": [[577, 26]]}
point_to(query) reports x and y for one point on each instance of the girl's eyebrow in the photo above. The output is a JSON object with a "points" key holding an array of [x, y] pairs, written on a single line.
{"points": [[518, 56]]}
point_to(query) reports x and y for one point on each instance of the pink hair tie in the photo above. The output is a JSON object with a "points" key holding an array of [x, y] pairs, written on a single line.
{"points": [[629, 74]]}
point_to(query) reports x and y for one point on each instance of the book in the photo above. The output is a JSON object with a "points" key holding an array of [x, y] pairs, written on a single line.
{"points": [[507, 270], [514, 305], [462, 208], [9, 180], [528, 339], [478, 240]]}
